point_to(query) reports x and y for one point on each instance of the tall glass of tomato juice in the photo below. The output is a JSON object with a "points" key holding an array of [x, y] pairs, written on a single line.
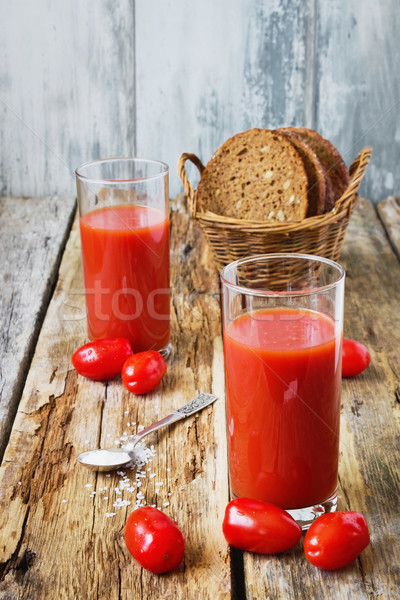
{"points": [[124, 228], [282, 326]]}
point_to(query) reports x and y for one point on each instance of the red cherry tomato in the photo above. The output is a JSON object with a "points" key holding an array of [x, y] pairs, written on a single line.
{"points": [[355, 359], [102, 359], [154, 539], [334, 540], [259, 526], [142, 372]]}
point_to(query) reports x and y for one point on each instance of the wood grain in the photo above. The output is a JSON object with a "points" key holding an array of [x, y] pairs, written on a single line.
{"points": [[66, 91], [369, 468], [33, 232], [357, 96], [389, 213], [161, 78], [60, 543], [210, 76]]}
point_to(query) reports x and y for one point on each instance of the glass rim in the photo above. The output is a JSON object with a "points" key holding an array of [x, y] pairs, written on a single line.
{"points": [[285, 293], [164, 169]]}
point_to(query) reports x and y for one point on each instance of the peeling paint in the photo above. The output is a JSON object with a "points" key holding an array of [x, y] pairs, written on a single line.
{"points": [[161, 78]]}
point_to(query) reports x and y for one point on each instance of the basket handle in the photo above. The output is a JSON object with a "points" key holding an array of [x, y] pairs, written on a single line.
{"points": [[189, 191], [356, 171]]}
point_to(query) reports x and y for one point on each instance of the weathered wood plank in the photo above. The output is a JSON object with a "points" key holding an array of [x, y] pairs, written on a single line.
{"points": [[389, 213], [33, 233], [69, 90], [369, 461], [358, 86], [66, 91], [69, 87], [59, 534], [209, 70]]}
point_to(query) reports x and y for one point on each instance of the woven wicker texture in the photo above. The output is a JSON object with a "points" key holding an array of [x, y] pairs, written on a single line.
{"points": [[320, 235]]}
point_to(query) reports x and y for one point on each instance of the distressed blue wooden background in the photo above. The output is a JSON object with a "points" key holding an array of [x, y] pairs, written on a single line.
{"points": [[86, 79]]}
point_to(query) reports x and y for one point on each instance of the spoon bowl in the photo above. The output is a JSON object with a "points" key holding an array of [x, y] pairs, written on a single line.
{"points": [[105, 459]]}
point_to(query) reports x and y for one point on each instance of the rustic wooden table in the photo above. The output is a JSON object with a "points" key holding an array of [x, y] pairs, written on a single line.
{"points": [[61, 526]]}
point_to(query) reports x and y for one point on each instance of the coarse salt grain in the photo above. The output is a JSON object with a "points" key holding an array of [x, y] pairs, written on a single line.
{"points": [[141, 456], [119, 503]]}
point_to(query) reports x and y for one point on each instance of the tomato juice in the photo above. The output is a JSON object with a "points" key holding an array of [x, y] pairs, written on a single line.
{"points": [[125, 253], [283, 382]]}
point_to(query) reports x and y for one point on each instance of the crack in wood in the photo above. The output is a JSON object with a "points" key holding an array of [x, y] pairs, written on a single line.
{"points": [[13, 562], [53, 374], [51, 467], [237, 574], [344, 493], [24, 564], [397, 393]]}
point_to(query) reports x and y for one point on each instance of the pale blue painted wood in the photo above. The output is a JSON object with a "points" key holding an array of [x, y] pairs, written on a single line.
{"points": [[358, 86], [66, 90], [221, 67], [81, 80], [207, 70]]}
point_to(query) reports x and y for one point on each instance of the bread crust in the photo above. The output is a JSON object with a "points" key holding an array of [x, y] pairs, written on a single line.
{"points": [[316, 188], [256, 175], [336, 173]]}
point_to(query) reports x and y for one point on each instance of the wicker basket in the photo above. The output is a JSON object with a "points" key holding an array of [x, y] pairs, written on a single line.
{"points": [[321, 235]]}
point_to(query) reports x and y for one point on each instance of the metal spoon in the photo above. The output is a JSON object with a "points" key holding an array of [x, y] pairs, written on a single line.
{"points": [[108, 459]]}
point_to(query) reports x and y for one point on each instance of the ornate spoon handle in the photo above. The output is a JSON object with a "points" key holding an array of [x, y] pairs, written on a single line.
{"points": [[198, 403]]}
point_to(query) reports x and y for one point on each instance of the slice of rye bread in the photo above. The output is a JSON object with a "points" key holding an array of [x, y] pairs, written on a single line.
{"points": [[316, 188], [255, 175], [337, 174]]}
